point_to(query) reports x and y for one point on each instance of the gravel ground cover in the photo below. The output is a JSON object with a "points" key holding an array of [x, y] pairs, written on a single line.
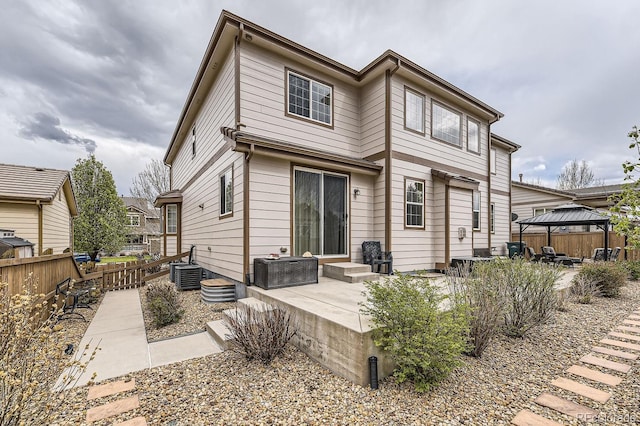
{"points": [[226, 389]]}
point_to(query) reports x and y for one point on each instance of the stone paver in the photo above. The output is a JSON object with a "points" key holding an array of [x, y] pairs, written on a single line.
{"points": [[601, 362], [137, 421], [581, 389], [625, 336], [598, 376], [566, 407], [628, 328], [527, 418], [621, 344], [631, 322], [112, 409], [614, 352], [110, 389]]}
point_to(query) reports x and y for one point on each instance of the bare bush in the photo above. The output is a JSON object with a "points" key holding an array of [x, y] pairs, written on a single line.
{"points": [[32, 358], [260, 334], [583, 289], [480, 291]]}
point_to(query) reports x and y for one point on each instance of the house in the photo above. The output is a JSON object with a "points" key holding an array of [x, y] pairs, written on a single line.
{"points": [[281, 149], [143, 226], [532, 200], [38, 204], [12, 246]]}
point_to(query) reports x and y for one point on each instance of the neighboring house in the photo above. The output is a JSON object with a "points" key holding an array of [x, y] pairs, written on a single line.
{"points": [[12, 246], [38, 205], [143, 226], [532, 200], [278, 146]]}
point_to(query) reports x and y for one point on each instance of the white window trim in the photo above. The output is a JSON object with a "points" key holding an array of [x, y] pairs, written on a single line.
{"points": [[193, 142], [476, 210], [477, 123], [312, 82], [407, 181], [544, 210], [167, 230], [492, 223], [131, 216], [492, 160], [223, 199], [408, 90], [446, 108]]}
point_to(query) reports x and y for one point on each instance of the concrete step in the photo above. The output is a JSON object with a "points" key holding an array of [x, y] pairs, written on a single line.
{"points": [[112, 409], [581, 389], [338, 271], [220, 333], [527, 418], [594, 375], [360, 277], [109, 389], [255, 304]]}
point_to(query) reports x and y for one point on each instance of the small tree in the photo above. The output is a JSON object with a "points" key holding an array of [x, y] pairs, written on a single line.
{"points": [[100, 224], [150, 182], [577, 175], [626, 206]]}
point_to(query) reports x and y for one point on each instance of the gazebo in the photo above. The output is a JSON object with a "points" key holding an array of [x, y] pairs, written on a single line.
{"points": [[569, 215]]}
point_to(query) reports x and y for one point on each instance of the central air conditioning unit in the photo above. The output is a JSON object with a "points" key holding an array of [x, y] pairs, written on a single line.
{"points": [[188, 277], [172, 270]]}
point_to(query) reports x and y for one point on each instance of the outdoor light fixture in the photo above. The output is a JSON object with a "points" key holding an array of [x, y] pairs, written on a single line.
{"points": [[201, 205], [356, 192]]}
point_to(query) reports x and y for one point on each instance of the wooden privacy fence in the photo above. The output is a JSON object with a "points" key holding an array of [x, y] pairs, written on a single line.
{"points": [[576, 244], [120, 276], [50, 270], [47, 272]]}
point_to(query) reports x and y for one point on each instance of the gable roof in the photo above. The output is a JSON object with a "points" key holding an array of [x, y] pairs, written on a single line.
{"points": [[140, 204], [35, 184], [230, 26], [602, 192]]}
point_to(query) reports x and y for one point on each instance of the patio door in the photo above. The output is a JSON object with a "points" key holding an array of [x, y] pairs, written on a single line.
{"points": [[320, 213]]}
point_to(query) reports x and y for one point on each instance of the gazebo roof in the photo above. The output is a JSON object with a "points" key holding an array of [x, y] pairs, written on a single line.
{"points": [[566, 215]]}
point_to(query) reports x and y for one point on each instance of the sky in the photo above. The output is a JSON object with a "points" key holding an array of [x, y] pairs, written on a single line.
{"points": [[110, 77]]}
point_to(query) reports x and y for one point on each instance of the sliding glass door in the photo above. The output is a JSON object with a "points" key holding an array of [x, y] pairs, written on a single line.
{"points": [[320, 213]]}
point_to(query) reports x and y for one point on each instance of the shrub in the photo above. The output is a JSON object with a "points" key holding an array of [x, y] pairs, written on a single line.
{"points": [[164, 304], [260, 334], [607, 276], [481, 292], [633, 268], [424, 341], [32, 358], [583, 289], [528, 290]]}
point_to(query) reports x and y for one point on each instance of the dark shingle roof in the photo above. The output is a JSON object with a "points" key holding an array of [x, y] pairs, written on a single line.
{"points": [[566, 215]]}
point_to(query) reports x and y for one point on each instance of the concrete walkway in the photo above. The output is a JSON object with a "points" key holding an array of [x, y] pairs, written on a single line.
{"points": [[118, 331]]}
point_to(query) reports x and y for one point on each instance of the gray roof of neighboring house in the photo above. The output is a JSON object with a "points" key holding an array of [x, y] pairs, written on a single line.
{"points": [[30, 183], [15, 242], [597, 191], [142, 205]]}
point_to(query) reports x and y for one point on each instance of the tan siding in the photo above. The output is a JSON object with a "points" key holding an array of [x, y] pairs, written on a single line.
{"points": [[362, 212], [437, 220], [481, 237], [23, 219], [218, 240], [502, 219], [262, 99], [424, 146], [372, 117], [502, 179], [217, 111], [270, 212], [460, 202], [524, 200], [412, 248], [172, 248], [56, 227]]}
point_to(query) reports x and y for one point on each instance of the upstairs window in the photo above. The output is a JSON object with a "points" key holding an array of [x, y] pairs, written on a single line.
{"points": [[133, 220], [226, 192], [413, 111], [538, 211], [414, 203], [473, 136], [309, 99], [476, 210], [193, 142], [172, 218], [445, 124], [492, 221]]}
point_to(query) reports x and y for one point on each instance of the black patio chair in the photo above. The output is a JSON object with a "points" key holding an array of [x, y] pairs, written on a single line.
{"points": [[373, 255], [533, 256], [71, 300], [550, 255]]}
